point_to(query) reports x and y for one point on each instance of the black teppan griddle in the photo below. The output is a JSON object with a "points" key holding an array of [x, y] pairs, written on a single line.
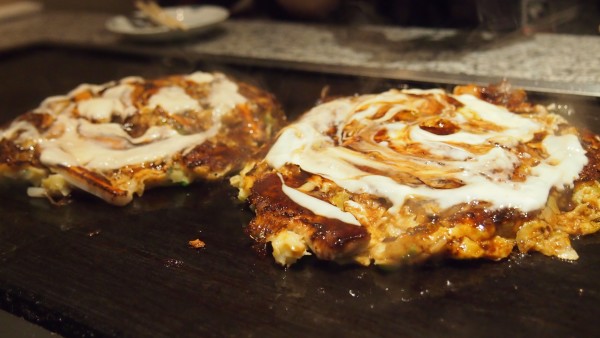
{"points": [[91, 269]]}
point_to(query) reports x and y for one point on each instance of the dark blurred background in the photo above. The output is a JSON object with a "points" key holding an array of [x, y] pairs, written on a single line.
{"points": [[561, 16]]}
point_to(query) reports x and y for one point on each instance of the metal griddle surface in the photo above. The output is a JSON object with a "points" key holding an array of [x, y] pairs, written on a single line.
{"points": [[90, 269]]}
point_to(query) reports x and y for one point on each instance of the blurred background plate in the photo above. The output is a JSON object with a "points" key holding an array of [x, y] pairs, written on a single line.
{"points": [[197, 19]]}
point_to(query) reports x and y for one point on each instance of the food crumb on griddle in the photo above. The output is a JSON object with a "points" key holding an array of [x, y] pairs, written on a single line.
{"points": [[196, 244]]}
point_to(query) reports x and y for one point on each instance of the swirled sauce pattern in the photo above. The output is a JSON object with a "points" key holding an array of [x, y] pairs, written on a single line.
{"points": [[428, 144], [407, 175], [114, 139]]}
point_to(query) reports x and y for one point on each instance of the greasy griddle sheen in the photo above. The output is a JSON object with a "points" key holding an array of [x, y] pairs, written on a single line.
{"points": [[117, 139], [407, 175]]}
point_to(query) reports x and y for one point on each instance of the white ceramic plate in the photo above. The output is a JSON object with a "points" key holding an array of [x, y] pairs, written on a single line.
{"points": [[197, 19]]}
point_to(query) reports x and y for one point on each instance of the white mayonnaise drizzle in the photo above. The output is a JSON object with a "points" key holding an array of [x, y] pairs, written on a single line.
{"points": [[114, 101], [224, 94], [75, 149], [174, 100], [88, 138], [485, 177], [100, 109], [319, 207], [200, 77], [25, 129]]}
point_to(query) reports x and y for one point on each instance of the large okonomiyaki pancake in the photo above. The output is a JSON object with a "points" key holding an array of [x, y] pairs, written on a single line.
{"points": [[117, 139], [409, 175]]}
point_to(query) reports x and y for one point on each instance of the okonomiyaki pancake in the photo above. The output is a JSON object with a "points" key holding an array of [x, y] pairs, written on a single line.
{"points": [[117, 139], [408, 175]]}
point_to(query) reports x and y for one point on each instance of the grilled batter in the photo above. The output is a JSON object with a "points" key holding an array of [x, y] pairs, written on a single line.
{"points": [[117, 139], [407, 175]]}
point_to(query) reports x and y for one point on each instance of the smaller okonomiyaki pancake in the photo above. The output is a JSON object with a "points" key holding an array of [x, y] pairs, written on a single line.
{"points": [[117, 139], [407, 175]]}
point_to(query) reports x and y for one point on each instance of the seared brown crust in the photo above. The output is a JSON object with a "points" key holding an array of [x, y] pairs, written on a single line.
{"points": [[591, 144], [453, 233], [82, 178], [19, 155], [41, 121], [329, 239], [216, 158], [502, 94]]}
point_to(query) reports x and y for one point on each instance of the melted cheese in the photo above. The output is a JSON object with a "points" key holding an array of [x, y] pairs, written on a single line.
{"points": [[484, 176]]}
